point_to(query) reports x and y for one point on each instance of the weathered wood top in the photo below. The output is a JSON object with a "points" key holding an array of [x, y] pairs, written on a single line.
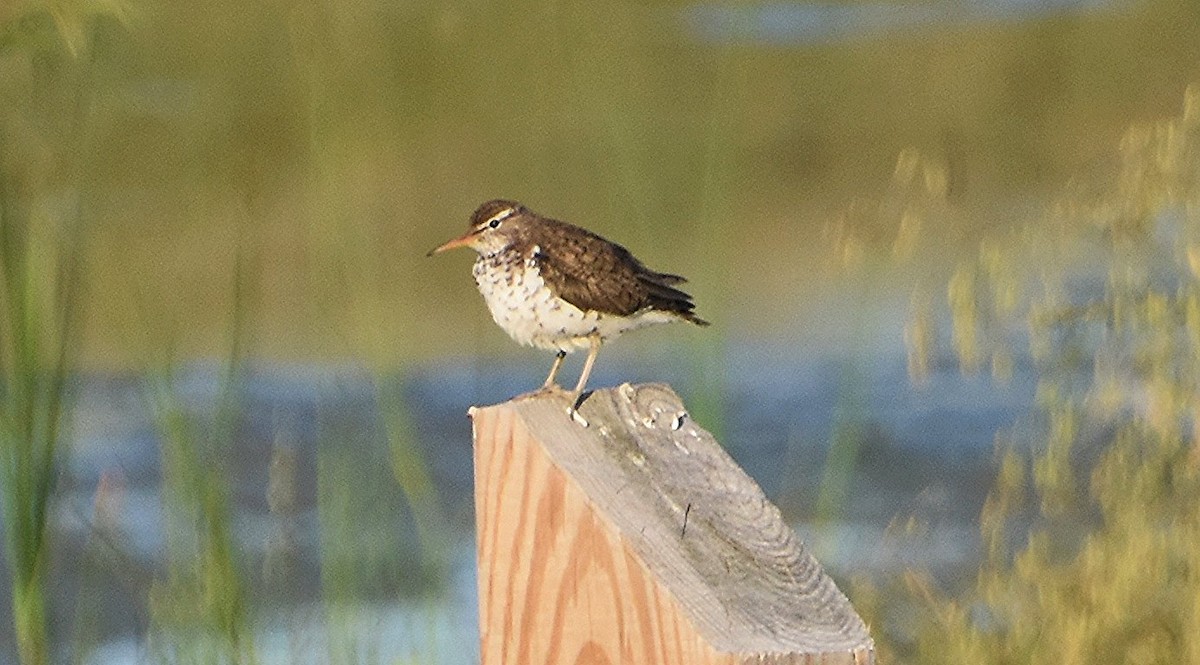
{"points": [[698, 523]]}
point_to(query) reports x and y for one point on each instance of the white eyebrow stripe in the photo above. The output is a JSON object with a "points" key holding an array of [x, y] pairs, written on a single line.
{"points": [[503, 214]]}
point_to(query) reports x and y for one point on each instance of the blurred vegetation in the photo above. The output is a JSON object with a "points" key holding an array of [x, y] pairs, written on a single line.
{"points": [[313, 150], [352, 137], [1091, 533], [200, 610], [46, 61]]}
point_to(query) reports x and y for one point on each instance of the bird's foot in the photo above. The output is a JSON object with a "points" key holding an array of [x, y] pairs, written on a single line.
{"points": [[576, 398], [573, 413], [545, 391]]}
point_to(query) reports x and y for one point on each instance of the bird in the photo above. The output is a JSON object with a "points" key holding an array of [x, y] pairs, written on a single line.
{"points": [[559, 287]]}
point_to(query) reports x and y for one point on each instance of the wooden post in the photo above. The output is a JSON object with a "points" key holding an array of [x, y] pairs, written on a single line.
{"points": [[637, 540]]}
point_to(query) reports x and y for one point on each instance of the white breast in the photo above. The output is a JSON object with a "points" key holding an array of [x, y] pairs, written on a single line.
{"points": [[522, 305]]}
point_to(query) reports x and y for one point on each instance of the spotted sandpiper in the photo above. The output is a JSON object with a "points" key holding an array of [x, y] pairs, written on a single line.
{"points": [[556, 286]]}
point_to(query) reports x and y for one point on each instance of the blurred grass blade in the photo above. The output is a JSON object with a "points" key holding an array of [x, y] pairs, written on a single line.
{"points": [[39, 271], [412, 471], [202, 607]]}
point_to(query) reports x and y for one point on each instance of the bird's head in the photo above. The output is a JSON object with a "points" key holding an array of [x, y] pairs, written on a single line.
{"points": [[494, 226]]}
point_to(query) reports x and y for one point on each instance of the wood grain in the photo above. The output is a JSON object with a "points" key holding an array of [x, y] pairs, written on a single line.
{"points": [[637, 540]]}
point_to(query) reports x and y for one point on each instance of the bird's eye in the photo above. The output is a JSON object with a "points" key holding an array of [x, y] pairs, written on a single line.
{"points": [[493, 222]]}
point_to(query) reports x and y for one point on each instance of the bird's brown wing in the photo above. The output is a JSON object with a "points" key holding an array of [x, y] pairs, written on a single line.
{"points": [[592, 273]]}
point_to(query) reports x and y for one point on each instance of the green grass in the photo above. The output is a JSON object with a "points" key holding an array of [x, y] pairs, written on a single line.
{"points": [[39, 287], [43, 148], [1091, 532], [200, 608], [313, 151]]}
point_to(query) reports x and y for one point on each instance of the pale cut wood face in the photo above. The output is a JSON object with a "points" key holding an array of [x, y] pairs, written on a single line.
{"points": [[638, 541]]}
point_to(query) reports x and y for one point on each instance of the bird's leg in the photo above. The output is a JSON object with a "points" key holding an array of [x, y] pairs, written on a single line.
{"points": [[594, 338], [558, 361], [573, 409]]}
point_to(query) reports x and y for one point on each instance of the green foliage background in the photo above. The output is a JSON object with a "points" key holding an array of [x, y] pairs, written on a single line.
{"points": [[1091, 532], [259, 181]]}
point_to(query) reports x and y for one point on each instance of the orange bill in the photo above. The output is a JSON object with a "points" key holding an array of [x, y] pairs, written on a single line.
{"points": [[461, 241]]}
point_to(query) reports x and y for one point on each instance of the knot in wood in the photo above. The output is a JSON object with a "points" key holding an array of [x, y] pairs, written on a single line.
{"points": [[654, 406]]}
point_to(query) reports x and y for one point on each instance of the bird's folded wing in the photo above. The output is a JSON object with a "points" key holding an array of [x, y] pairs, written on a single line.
{"points": [[592, 274]]}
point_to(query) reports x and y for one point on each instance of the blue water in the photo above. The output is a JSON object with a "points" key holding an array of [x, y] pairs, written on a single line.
{"points": [[922, 450], [801, 23]]}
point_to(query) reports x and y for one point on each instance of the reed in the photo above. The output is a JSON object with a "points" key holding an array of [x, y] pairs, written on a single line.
{"points": [[43, 193], [200, 609], [39, 277], [1091, 535]]}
